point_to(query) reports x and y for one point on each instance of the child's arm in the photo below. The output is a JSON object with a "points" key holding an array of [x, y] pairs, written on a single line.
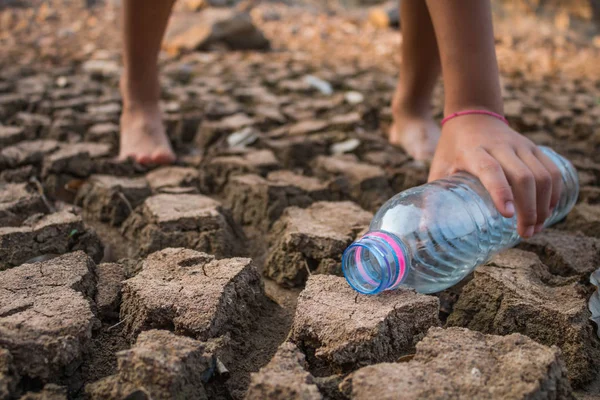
{"points": [[510, 166]]}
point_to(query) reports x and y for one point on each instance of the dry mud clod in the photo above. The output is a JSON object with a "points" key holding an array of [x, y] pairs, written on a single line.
{"points": [[192, 294], [516, 293], [340, 330], [311, 240], [458, 363]]}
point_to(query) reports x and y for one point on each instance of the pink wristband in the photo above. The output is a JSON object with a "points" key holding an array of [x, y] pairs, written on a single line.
{"points": [[481, 112]]}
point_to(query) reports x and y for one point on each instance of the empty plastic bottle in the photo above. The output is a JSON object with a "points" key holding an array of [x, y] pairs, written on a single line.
{"points": [[430, 237]]}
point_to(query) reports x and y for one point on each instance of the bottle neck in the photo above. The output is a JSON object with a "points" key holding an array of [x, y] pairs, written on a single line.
{"points": [[375, 263]]}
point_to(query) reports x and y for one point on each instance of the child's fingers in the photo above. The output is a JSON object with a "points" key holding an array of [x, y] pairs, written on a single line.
{"points": [[490, 173], [554, 173], [522, 181], [543, 186]]}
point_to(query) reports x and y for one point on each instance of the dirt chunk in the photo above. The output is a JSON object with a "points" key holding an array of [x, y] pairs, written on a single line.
{"points": [[108, 295], [75, 159], [49, 392], [35, 125], [584, 218], [191, 293], [27, 152], [284, 377], [111, 199], [517, 294], [461, 364], [48, 235], [313, 240], [214, 27], [8, 376], [45, 315], [11, 134], [183, 220], [364, 183], [217, 171], [259, 202], [105, 132], [165, 178], [565, 253], [161, 365], [298, 151], [340, 330], [17, 202]]}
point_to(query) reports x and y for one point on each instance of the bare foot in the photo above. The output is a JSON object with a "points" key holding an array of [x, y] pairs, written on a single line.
{"points": [[143, 136], [417, 135]]}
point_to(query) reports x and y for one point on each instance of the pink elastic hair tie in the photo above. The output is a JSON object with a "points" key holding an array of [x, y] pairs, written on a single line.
{"points": [[481, 112]]}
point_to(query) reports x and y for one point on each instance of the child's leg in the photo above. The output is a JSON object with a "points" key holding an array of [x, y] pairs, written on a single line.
{"points": [[414, 128], [143, 135]]}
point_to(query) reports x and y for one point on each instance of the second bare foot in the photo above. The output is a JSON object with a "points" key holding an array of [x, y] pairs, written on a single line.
{"points": [[417, 135], [143, 136]]}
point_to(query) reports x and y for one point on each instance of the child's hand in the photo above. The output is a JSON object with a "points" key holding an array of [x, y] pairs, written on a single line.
{"points": [[515, 172]]}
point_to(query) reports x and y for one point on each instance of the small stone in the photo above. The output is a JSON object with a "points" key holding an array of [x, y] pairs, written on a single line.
{"points": [[171, 177], [183, 220], [162, 366], [53, 234], [321, 85], [565, 253], [45, 315], [458, 363], [191, 292], [364, 183], [27, 152], [216, 172], [584, 218], [354, 97], [11, 134], [111, 199], [242, 138], [214, 27], [257, 201], [212, 132], [284, 377], [49, 392], [17, 202], [517, 294], [347, 146], [343, 330], [108, 295]]}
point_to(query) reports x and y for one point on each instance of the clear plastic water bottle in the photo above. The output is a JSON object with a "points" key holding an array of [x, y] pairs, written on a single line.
{"points": [[430, 237]]}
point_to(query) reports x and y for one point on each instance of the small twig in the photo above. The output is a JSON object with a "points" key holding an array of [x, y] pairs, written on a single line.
{"points": [[117, 324], [307, 267], [40, 190], [222, 369], [127, 203]]}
